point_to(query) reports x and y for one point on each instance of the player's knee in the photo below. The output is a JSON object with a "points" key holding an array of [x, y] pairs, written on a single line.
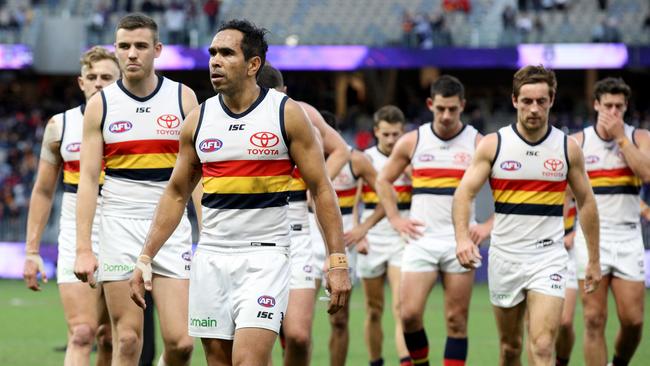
{"points": [[456, 324], [298, 339], [632, 326], [410, 319], [542, 346], [339, 322], [595, 321], [511, 349], [82, 335], [181, 348], [374, 311], [104, 337], [128, 343]]}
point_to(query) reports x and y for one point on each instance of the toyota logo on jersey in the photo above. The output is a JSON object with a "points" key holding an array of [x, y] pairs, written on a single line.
{"points": [[168, 121], [553, 164], [264, 139]]}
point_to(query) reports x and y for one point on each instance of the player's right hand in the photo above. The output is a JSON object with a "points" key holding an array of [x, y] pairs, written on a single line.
{"points": [[339, 287], [33, 266], [141, 280], [468, 254], [592, 276], [85, 265], [408, 227]]}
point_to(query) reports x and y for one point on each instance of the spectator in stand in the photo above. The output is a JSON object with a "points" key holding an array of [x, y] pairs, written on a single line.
{"points": [[457, 5], [607, 31], [211, 9], [423, 32], [408, 37], [509, 24], [175, 22], [524, 26], [441, 34]]}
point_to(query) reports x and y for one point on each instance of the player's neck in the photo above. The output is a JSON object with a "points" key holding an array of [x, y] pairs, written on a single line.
{"points": [[142, 87], [384, 150], [447, 132], [532, 136], [602, 132], [241, 100]]}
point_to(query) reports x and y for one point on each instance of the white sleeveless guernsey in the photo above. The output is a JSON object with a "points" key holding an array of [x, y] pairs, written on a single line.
{"points": [[298, 217], [140, 146], [528, 183], [615, 185], [370, 200], [72, 122], [438, 166], [246, 172], [345, 185]]}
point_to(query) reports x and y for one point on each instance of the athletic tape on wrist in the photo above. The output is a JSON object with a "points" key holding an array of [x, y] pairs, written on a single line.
{"points": [[338, 260]]}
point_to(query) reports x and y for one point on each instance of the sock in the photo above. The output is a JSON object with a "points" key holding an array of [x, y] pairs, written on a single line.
{"points": [[455, 351], [617, 361], [418, 347], [561, 361], [405, 361], [377, 362]]}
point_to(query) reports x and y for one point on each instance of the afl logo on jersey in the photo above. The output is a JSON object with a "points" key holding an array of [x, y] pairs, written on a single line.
{"points": [[264, 139], [119, 127], [168, 121], [426, 157], [553, 164], [73, 147], [592, 159], [510, 165], [266, 301], [210, 145]]}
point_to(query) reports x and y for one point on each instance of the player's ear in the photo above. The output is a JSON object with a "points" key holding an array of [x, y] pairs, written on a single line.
{"points": [[254, 65]]}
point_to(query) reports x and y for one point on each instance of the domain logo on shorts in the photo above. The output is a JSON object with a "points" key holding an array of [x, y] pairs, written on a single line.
{"points": [[266, 301]]}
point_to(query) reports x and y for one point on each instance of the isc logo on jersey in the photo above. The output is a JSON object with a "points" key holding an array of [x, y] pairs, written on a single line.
{"points": [[73, 147], [169, 124], [120, 126], [263, 142], [210, 145]]}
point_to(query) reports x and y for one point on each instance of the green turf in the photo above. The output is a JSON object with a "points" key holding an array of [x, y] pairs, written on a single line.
{"points": [[32, 325]]}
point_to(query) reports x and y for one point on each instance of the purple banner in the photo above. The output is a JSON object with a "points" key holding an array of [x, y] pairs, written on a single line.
{"points": [[574, 56], [15, 56], [350, 58]]}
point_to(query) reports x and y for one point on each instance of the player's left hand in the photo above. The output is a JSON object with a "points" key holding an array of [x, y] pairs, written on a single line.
{"points": [[468, 254], [613, 124], [479, 232], [141, 280], [363, 246], [592, 276], [339, 287], [33, 266], [355, 235]]}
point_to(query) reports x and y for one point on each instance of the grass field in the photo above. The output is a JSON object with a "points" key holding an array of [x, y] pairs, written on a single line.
{"points": [[32, 325]]}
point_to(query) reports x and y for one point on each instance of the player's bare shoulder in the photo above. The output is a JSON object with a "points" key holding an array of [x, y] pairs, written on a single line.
{"points": [[488, 148]]}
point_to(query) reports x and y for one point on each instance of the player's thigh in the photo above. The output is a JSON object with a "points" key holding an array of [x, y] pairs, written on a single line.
{"points": [[510, 323], [630, 299], [252, 346], [300, 311], [124, 313], [544, 314], [458, 291], [171, 298], [569, 308], [394, 276], [595, 303], [80, 304], [373, 290], [218, 352], [414, 290]]}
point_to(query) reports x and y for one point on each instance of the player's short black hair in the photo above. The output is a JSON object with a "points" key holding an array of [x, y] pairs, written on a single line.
{"points": [[611, 85], [270, 77], [448, 86], [253, 42]]}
